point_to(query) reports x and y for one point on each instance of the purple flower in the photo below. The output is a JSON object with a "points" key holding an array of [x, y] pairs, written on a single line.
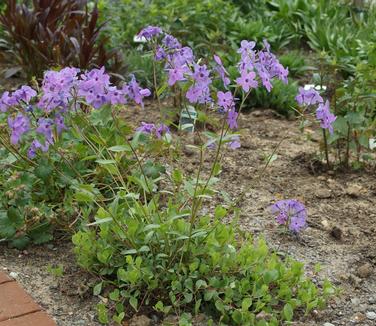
{"points": [[201, 74], [116, 96], [222, 71], [181, 57], [146, 128], [35, 145], [246, 47], [171, 42], [152, 129], [263, 62], [290, 212], [198, 93], [160, 54], [45, 128], [308, 97], [94, 86], [235, 142], [150, 31], [161, 130], [232, 117], [225, 100], [25, 93], [59, 123], [57, 88], [176, 74], [247, 80], [5, 102], [265, 79], [135, 92], [325, 117], [19, 126]]}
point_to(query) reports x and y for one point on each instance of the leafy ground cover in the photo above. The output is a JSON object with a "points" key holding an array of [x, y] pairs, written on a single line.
{"points": [[171, 224], [343, 201]]}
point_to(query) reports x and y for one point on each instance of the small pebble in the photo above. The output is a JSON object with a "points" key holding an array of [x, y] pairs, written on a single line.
{"points": [[336, 233], [13, 274], [364, 270], [371, 315], [328, 324]]}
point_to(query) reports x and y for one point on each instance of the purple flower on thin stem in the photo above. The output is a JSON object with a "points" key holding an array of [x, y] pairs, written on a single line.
{"points": [[59, 123], [160, 54], [161, 130], [150, 31], [176, 74], [5, 102], [25, 93], [45, 128], [222, 71], [19, 126], [246, 47], [152, 129], [199, 92], [171, 42], [225, 100], [146, 128], [232, 117], [35, 145], [308, 97], [291, 213], [247, 80], [234, 143], [135, 92], [116, 96], [325, 117]]}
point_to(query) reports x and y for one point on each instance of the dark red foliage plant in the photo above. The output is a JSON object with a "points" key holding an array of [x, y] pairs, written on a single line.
{"points": [[41, 34]]}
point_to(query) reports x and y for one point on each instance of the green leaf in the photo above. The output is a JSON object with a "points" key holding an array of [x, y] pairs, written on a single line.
{"points": [[288, 312], [102, 313], [97, 289], [105, 162], [133, 301], [246, 304], [120, 148]]}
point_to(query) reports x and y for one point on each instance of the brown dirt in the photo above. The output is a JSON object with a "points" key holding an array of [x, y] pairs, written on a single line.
{"points": [[340, 236]]}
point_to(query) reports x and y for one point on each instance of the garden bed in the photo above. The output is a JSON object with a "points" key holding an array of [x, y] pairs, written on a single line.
{"points": [[340, 236]]}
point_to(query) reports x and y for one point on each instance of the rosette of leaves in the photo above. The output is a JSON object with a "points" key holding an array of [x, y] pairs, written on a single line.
{"points": [[53, 33]]}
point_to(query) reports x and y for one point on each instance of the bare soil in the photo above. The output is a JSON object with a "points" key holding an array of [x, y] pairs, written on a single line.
{"points": [[340, 236]]}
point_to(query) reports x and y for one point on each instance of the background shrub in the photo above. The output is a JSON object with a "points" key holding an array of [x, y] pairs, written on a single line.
{"points": [[53, 33]]}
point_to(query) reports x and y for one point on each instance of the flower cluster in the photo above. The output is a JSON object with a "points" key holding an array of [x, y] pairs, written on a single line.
{"points": [[152, 129], [255, 67], [263, 64], [43, 117], [310, 97], [291, 213]]}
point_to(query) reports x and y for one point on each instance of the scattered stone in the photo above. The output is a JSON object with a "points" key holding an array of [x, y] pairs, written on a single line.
{"points": [[364, 271], [354, 190], [323, 194], [355, 280], [358, 317], [263, 315], [141, 320], [371, 315], [325, 224], [328, 324], [372, 300], [336, 233], [355, 301], [188, 151], [13, 275]]}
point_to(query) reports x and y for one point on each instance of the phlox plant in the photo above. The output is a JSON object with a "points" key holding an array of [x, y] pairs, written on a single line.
{"points": [[311, 98], [142, 228]]}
